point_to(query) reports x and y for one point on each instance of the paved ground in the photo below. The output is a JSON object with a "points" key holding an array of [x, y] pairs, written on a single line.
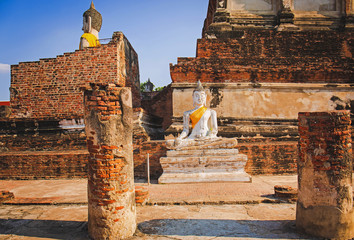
{"points": [[74, 191], [56, 209], [187, 222]]}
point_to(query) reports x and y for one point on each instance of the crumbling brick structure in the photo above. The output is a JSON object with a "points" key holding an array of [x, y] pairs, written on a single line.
{"points": [[160, 106], [266, 56], [43, 137], [50, 88], [325, 198], [263, 62], [111, 192]]}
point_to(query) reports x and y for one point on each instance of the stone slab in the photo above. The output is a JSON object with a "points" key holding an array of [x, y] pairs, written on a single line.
{"points": [[205, 177]]}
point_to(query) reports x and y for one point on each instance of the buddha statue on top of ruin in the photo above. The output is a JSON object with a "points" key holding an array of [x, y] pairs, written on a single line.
{"points": [[92, 22]]}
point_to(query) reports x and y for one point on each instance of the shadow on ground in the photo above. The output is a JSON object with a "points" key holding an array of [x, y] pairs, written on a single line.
{"points": [[222, 228], [44, 228], [199, 228]]}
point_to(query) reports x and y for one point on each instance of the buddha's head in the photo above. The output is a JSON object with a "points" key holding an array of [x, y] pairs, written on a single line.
{"points": [[92, 20], [199, 95]]}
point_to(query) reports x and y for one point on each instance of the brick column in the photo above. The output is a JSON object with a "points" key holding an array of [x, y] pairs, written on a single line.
{"points": [[325, 199], [111, 199]]}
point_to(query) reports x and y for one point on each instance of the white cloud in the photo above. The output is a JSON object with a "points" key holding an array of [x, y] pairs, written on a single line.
{"points": [[4, 68]]}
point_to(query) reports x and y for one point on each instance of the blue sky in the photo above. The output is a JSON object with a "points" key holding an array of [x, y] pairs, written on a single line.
{"points": [[159, 30]]}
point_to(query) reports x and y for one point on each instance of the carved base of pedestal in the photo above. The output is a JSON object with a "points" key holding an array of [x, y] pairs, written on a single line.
{"points": [[204, 165]]}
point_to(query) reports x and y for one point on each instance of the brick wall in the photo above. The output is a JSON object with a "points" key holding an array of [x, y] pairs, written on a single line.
{"points": [[263, 158], [44, 135], [270, 155], [39, 136], [270, 56], [50, 88], [160, 106], [155, 149], [270, 158], [4, 111], [47, 142], [73, 163], [26, 165]]}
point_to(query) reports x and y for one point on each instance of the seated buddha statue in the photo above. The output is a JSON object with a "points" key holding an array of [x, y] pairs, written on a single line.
{"points": [[92, 22], [203, 121]]}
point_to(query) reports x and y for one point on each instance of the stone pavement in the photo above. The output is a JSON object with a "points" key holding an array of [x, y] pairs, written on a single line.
{"points": [[57, 209], [74, 191], [187, 222]]}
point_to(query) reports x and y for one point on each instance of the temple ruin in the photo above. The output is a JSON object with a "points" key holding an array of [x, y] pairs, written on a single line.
{"points": [[261, 62]]}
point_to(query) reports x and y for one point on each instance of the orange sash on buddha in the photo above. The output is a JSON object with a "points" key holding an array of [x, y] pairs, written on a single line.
{"points": [[197, 115], [92, 40]]}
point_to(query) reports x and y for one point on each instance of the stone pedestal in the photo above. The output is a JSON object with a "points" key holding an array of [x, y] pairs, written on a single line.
{"points": [[325, 194], [208, 163], [111, 198]]}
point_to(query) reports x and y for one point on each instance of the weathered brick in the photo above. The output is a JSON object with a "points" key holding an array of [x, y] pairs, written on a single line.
{"points": [[325, 175], [50, 88], [269, 56]]}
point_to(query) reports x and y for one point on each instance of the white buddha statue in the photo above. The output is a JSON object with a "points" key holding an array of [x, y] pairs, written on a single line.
{"points": [[203, 120], [197, 154], [92, 22]]}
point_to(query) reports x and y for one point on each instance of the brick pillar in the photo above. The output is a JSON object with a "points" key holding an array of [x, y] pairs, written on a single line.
{"points": [[111, 196], [325, 199]]}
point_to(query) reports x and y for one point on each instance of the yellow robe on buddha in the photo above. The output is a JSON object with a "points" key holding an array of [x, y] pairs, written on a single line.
{"points": [[91, 39], [197, 115]]}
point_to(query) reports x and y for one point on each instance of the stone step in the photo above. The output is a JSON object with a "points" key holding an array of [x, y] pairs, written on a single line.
{"points": [[202, 152], [204, 164], [203, 159], [205, 177]]}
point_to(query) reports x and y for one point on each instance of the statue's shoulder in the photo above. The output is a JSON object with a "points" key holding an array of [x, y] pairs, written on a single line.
{"points": [[186, 113]]}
